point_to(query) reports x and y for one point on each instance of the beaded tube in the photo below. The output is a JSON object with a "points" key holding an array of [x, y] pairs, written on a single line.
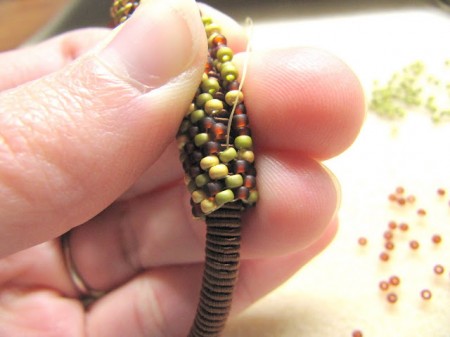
{"points": [[216, 151]]}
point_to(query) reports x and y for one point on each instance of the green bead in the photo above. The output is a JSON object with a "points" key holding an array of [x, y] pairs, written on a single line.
{"points": [[213, 105], [224, 54], [212, 28], [218, 172], [234, 95], [253, 197], [198, 196], [210, 85], [224, 197], [208, 206], [207, 20], [209, 162], [229, 72], [201, 180], [234, 181], [243, 142], [197, 115], [228, 155], [201, 139], [247, 155], [202, 99]]}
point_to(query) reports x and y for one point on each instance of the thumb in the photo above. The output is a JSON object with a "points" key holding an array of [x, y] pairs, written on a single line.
{"points": [[73, 141]]}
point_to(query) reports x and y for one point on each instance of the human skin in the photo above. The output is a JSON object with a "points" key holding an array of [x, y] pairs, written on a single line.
{"points": [[87, 127]]}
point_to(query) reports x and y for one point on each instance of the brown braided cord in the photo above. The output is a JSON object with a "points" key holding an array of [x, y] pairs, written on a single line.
{"points": [[223, 242]]}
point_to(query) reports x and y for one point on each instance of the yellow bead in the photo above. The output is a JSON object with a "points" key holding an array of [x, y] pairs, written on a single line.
{"points": [[234, 95], [247, 155], [218, 172], [209, 162], [198, 196], [208, 206], [213, 105]]}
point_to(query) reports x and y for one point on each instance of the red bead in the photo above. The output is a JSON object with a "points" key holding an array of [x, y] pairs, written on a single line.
{"points": [[211, 148], [391, 298], [240, 166], [249, 181], [218, 40], [240, 109], [394, 280], [219, 130], [243, 193], [436, 239], [357, 333], [384, 285], [207, 123], [233, 86], [239, 121], [426, 294]]}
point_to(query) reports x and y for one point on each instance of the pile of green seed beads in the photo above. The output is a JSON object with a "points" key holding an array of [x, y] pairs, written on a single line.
{"points": [[412, 88], [218, 161]]}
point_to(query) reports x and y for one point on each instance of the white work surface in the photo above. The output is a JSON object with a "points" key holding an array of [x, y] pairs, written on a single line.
{"points": [[338, 291]]}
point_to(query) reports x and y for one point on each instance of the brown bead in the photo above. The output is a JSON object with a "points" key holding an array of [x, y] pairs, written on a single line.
{"points": [[400, 190], [401, 201], [384, 256], [240, 109], [436, 239], [195, 157], [357, 333], [240, 166], [389, 245], [243, 193], [392, 225], [362, 241], [392, 197], [388, 235], [441, 192], [392, 298], [394, 280], [234, 85], [212, 188], [211, 148], [383, 285], [439, 269], [206, 124], [414, 244], [426, 294], [421, 212], [404, 227]]}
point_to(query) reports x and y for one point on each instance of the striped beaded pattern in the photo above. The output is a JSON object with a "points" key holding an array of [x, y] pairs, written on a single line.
{"points": [[216, 150], [218, 162]]}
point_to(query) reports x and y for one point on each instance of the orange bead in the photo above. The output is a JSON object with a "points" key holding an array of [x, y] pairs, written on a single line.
{"points": [[357, 333], [399, 190], [388, 235], [426, 294], [383, 285], [439, 269], [389, 245], [394, 280], [414, 244], [362, 241], [392, 298], [421, 212], [392, 225], [441, 192], [384, 257], [404, 227], [436, 239]]}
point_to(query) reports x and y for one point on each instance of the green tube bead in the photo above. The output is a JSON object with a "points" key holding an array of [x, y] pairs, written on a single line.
{"points": [[243, 142], [224, 197], [209, 162], [228, 155], [218, 172], [202, 99], [224, 54], [234, 181], [201, 139]]}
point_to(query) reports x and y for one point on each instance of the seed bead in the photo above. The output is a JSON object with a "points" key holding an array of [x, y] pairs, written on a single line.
{"points": [[219, 171], [209, 162], [404, 227], [357, 333], [229, 71], [243, 142], [389, 245], [362, 241], [392, 197], [224, 197], [384, 256], [197, 115], [198, 196], [228, 155], [213, 106], [234, 96], [210, 85], [421, 212], [392, 225], [394, 280], [414, 244], [388, 235], [426, 294], [392, 298], [400, 190], [383, 285], [201, 99], [224, 54], [436, 239], [208, 206], [200, 139], [201, 180], [253, 197], [439, 269], [411, 199], [441, 192], [234, 181]]}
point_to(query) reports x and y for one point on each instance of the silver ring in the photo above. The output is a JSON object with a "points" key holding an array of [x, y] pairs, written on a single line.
{"points": [[85, 291]]}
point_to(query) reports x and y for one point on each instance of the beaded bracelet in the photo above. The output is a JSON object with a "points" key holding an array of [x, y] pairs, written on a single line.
{"points": [[216, 150]]}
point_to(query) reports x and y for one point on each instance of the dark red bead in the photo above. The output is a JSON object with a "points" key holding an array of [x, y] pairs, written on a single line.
{"points": [[193, 131], [219, 95], [239, 121], [240, 109], [219, 40], [243, 193], [219, 131], [249, 181], [240, 166], [211, 148], [245, 131], [206, 124], [233, 86]]}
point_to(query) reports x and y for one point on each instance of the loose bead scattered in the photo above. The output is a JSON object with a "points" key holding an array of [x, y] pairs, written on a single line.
{"points": [[436, 239], [404, 227], [362, 241], [383, 285], [357, 333], [394, 280], [389, 245], [384, 257], [426, 294], [421, 212], [414, 244], [441, 192], [388, 235], [392, 225], [439, 269], [392, 298]]}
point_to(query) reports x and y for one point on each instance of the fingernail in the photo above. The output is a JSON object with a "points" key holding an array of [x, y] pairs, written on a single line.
{"points": [[160, 41]]}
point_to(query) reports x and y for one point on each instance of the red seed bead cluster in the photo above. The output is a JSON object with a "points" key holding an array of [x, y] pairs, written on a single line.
{"points": [[121, 10], [218, 161]]}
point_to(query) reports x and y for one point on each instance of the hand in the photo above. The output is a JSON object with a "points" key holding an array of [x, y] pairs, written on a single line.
{"points": [[87, 127]]}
